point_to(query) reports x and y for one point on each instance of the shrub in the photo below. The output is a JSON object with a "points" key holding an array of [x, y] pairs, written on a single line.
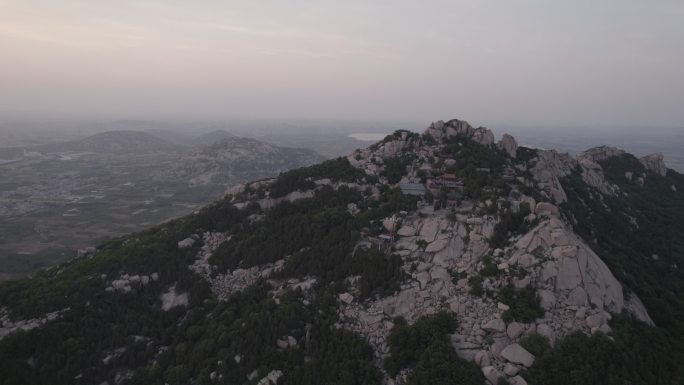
{"points": [[523, 303], [489, 269], [476, 288], [424, 347], [536, 344], [407, 342]]}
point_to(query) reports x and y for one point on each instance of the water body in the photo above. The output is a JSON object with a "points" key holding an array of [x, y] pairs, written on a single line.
{"points": [[367, 137]]}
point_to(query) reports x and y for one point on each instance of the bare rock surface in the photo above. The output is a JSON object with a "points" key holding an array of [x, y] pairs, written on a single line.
{"points": [[8, 327], [518, 355], [172, 298], [655, 162], [509, 145]]}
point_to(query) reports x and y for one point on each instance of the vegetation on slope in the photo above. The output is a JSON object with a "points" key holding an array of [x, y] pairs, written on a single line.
{"points": [[646, 253], [424, 347], [318, 222], [523, 303], [634, 354], [319, 236], [638, 235], [130, 336], [511, 222], [302, 179], [153, 346], [395, 167], [471, 160]]}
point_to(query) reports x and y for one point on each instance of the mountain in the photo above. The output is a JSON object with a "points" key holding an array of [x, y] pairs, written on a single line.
{"points": [[171, 135], [122, 141], [435, 258], [232, 160]]}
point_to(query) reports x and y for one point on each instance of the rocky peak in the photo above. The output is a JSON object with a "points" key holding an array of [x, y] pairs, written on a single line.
{"points": [[400, 141], [440, 130], [550, 166], [483, 136], [592, 173], [655, 162], [601, 153], [509, 145]]}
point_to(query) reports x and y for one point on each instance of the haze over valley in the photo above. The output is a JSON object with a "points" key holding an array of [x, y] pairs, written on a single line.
{"points": [[60, 197]]}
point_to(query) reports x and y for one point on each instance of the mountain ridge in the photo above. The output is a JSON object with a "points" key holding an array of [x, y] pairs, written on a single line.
{"points": [[111, 141]]}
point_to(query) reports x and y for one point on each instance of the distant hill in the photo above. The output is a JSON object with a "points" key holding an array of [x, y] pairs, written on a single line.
{"points": [[11, 153], [175, 137], [123, 141], [212, 137], [234, 160]]}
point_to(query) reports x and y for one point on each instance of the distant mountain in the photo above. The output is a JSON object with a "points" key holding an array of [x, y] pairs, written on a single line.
{"points": [[124, 141], [234, 160], [136, 124], [212, 137], [175, 137]]}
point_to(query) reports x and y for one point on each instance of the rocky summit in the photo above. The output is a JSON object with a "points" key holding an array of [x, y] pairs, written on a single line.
{"points": [[440, 257]]}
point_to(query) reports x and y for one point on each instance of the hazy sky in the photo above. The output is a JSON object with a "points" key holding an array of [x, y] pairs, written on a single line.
{"points": [[511, 61]]}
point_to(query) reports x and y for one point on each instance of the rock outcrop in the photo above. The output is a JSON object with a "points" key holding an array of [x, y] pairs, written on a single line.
{"points": [[440, 130], [571, 272], [518, 355], [550, 166], [601, 153], [547, 171], [655, 162], [127, 283], [172, 298], [576, 288], [271, 378], [592, 173], [396, 145], [509, 145], [7, 326]]}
